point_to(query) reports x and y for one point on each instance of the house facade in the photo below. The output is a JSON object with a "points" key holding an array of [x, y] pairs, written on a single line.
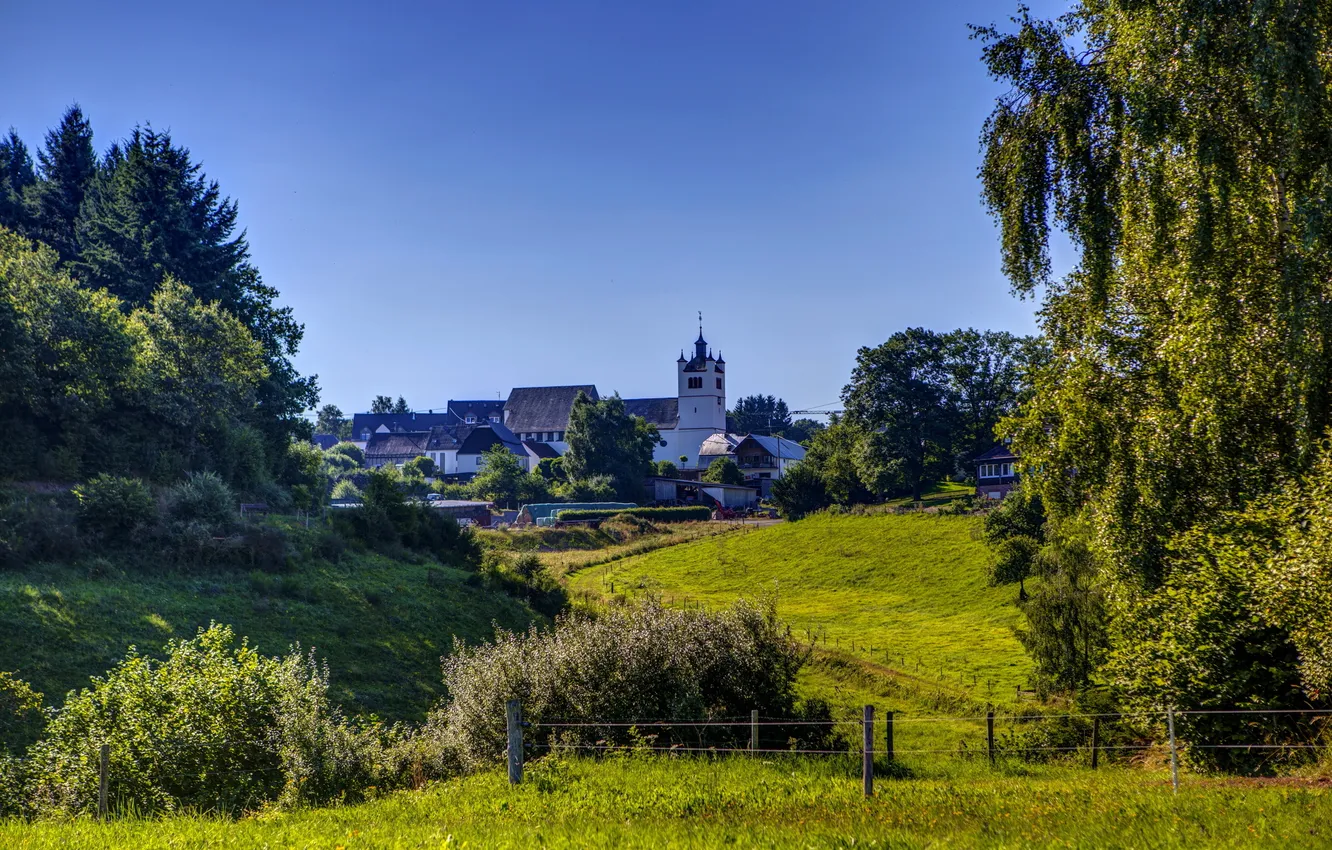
{"points": [[996, 473]]}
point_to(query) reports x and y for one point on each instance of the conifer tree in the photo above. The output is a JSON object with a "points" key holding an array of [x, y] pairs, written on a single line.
{"points": [[68, 163], [16, 175]]}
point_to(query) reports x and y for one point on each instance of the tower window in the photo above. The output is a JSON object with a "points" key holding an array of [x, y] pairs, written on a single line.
{"points": [[695, 383], [719, 383]]}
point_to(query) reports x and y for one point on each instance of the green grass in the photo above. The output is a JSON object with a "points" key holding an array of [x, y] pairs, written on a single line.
{"points": [[380, 624], [903, 596], [636, 801]]}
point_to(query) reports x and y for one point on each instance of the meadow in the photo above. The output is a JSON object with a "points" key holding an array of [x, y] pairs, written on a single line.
{"points": [[632, 801], [895, 603], [382, 624]]}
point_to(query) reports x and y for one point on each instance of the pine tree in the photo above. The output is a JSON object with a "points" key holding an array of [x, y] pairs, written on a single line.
{"points": [[68, 164], [16, 175]]}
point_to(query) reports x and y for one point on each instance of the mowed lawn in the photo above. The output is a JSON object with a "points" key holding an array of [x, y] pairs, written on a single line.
{"points": [[906, 591], [643, 801]]}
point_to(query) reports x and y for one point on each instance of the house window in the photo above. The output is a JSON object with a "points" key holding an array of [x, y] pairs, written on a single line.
{"points": [[695, 383], [719, 383], [494, 418], [471, 420]]}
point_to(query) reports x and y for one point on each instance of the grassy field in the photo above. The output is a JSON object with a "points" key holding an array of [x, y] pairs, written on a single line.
{"points": [[566, 550], [904, 596], [380, 623], [636, 801]]}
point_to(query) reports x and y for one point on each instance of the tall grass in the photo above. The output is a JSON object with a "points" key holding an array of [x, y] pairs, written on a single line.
{"points": [[634, 801]]}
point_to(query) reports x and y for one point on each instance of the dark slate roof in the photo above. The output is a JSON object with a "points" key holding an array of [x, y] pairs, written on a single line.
{"points": [[409, 422], [1000, 452], [662, 412], [482, 436], [541, 450], [398, 445], [482, 409], [533, 409], [325, 441], [442, 439]]}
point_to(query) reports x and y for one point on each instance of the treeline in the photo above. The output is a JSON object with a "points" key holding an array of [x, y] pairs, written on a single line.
{"points": [[136, 337], [1178, 437], [919, 408]]}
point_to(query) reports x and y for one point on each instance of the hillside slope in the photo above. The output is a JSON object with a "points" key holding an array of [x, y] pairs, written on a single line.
{"points": [[381, 624], [907, 592]]}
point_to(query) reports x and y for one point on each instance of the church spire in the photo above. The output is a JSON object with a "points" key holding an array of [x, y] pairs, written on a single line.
{"points": [[700, 344]]}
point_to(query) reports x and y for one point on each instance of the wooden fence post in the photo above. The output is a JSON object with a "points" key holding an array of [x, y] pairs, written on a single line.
{"points": [[513, 714], [1096, 740], [867, 764], [753, 732], [103, 779], [888, 736], [1174, 752], [989, 734]]}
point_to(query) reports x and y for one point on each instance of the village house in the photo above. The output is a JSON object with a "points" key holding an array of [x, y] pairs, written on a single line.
{"points": [[534, 422], [996, 473]]}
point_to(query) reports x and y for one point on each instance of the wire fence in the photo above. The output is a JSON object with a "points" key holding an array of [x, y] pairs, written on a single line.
{"points": [[1256, 733]]}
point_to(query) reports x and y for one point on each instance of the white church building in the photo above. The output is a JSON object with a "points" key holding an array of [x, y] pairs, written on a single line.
{"points": [[698, 410]]}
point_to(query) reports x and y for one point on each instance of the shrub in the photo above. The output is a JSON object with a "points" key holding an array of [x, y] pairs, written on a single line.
{"points": [[39, 529], [694, 514], [723, 470], [213, 727], [345, 489], [202, 497], [799, 492], [349, 450], [645, 662], [114, 508], [20, 713]]}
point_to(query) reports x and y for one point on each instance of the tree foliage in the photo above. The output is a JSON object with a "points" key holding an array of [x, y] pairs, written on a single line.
{"points": [[145, 341], [501, 478], [929, 402], [723, 470], [1183, 150], [761, 414], [605, 440]]}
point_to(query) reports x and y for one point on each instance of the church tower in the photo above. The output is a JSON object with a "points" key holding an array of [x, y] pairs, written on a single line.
{"points": [[702, 395]]}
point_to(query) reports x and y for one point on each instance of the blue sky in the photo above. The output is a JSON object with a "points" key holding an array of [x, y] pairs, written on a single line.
{"points": [[459, 198]]}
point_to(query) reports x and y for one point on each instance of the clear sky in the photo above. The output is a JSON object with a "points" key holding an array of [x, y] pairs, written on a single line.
{"points": [[461, 197]]}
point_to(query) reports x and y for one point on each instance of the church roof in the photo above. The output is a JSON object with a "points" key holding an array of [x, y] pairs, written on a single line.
{"points": [[661, 412], [533, 409]]}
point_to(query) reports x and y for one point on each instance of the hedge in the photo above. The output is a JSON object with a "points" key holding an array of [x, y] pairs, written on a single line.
{"points": [[653, 514]]}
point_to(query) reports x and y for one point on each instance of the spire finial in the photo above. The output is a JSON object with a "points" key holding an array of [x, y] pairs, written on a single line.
{"points": [[700, 323]]}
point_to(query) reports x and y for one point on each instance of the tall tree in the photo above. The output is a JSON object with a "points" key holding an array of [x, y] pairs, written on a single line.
{"points": [[900, 390], [381, 404], [329, 420], [1182, 147], [761, 414], [16, 176], [150, 213], [68, 164], [605, 440], [400, 406], [989, 373]]}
